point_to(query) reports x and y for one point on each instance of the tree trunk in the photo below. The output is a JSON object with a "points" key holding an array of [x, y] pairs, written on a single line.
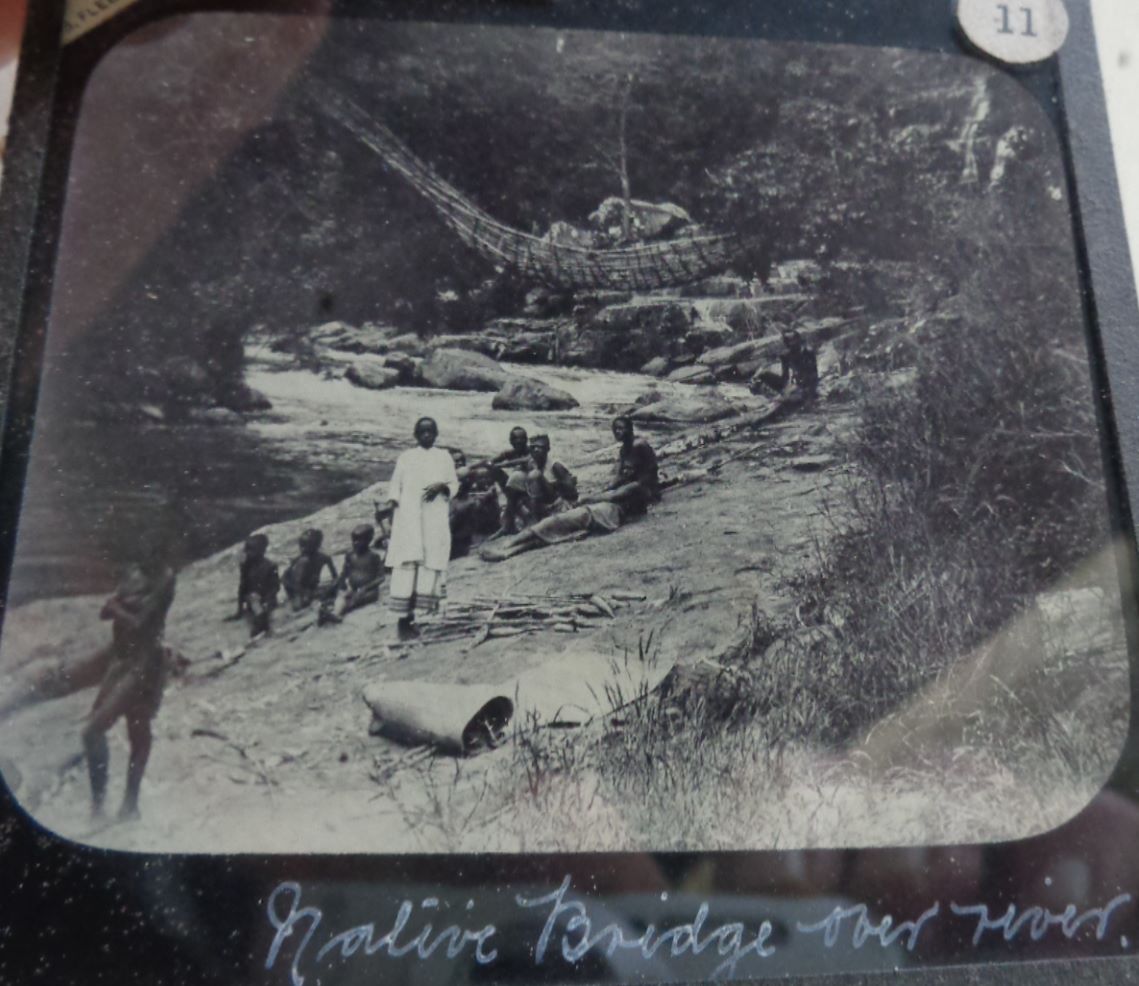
{"points": [[623, 161]]}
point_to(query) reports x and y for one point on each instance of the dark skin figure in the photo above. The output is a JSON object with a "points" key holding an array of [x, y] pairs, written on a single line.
{"points": [[362, 572], [257, 586], [139, 620], [426, 431], [302, 580], [626, 491], [514, 456], [543, 491], [519, 446], [635, 485]]}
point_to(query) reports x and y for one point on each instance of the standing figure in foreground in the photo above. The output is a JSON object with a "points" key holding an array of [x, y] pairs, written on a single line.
{"points": [[420, 546], [135, 678]]}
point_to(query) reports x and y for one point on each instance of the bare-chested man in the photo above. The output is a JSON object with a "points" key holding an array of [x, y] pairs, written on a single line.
{"points": [[539, 489], [135, 678], [634, 487]]}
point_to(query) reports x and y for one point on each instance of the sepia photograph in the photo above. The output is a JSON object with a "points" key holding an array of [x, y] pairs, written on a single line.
{"points": [[462, 438]]}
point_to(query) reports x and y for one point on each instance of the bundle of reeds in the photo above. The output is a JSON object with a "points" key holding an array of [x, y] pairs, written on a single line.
{"points": [[482, 618]]}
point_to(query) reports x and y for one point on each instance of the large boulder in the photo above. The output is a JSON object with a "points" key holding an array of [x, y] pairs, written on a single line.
{"points": [[699, 406], [692, 374], [406, 366], [529, 347], [457, 369], [525, 394], [741, 352], [476, 342], [647, 220], [372, 376], [367, 338], [527, 340], [625, 337], [408, 343], [658, 366], [708, 335]]}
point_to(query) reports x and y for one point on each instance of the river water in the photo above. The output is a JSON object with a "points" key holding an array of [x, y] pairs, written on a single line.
{"points": [[93, 488]]}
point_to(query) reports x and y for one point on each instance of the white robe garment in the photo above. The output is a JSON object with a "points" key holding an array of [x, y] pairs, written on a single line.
{"points": [[421, 531]]}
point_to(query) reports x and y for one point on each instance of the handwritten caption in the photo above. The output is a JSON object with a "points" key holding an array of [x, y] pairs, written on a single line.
{"points": [[568, 927]]}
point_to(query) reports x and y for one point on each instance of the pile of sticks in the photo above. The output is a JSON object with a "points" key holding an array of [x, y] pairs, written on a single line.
{"points": [[481, 619]]}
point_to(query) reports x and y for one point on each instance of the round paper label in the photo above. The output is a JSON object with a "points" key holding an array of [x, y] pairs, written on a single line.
{"points": [[1018, 31]]}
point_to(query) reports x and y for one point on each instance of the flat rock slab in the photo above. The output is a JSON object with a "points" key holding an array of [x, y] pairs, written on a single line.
{"points": [[694, 408]]}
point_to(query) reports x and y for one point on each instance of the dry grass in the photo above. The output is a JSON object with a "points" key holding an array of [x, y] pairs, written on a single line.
{"points": [[958, 644]]}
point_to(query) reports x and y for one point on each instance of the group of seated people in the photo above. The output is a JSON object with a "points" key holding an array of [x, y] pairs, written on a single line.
{"points": [[259, 581], [523, 489], [517, 500]]}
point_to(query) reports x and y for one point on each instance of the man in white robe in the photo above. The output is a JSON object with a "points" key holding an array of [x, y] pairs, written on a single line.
{"points": [[420, 546]]}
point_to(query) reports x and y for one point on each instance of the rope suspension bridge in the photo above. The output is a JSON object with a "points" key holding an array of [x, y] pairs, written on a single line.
{"points": [[641, 267]]}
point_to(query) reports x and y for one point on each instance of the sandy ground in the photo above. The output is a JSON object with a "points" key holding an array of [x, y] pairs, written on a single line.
{"points": [[294, 770]]}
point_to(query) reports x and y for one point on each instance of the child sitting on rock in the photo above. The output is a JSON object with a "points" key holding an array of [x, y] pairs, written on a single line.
{"points": [[360, 576], [302, 577], [257, 586]]}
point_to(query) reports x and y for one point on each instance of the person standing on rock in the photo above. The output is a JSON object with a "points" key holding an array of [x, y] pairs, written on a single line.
{"points": [[419, 497]]}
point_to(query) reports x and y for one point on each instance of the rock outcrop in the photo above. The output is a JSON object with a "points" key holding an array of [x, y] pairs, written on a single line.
{"points": [[370, 376], [525, 394], [459, 369], [626, 336], [700, 406], [366, 338]]}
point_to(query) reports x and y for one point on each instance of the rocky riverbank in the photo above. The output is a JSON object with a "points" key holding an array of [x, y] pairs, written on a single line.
{"points": [[266, 746], [722, 329]]}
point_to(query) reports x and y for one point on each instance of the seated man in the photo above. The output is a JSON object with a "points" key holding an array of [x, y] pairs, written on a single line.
{"points": [[474, 510], [550, 486], [539, 490], [519, 447], [636, 480], [302, 577], [503, 464], [798, 365], [635, 485]]}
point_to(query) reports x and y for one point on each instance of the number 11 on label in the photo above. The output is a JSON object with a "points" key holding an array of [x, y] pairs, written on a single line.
{"points": [[1006, 21]]}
